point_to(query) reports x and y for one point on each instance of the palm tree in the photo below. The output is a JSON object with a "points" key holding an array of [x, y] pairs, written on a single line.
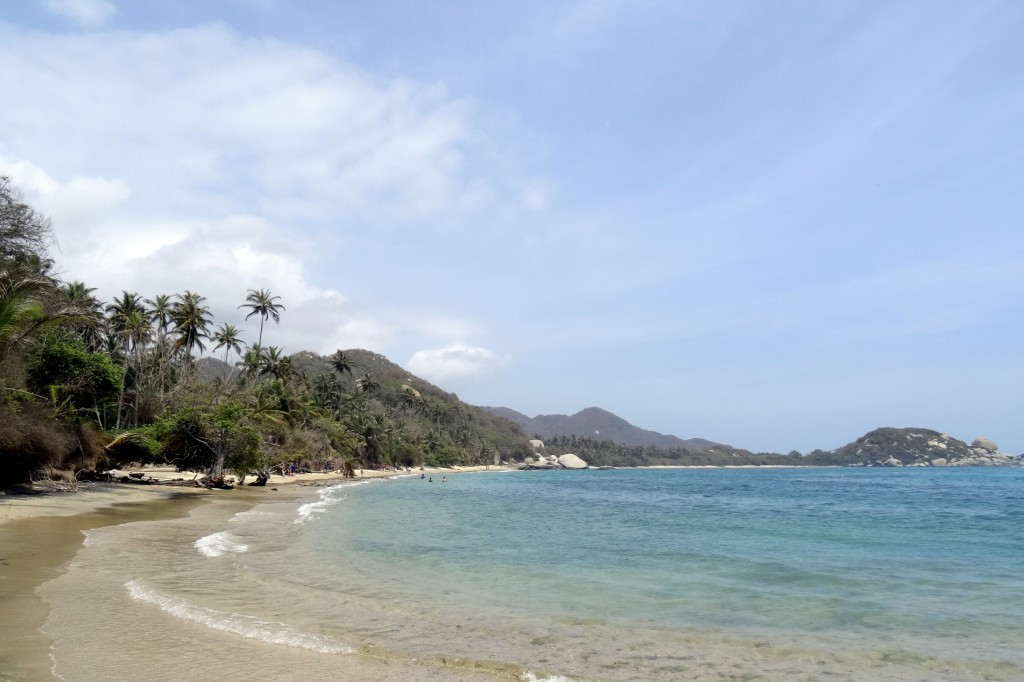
{"points": [[274, 363], [227, 337], [160, 307], [262, 303], [21, 306], [191, 324], [136, 332], [88, 311], [250, 362], [341, 362], [327, 392], [120, 310], [367, 384]]}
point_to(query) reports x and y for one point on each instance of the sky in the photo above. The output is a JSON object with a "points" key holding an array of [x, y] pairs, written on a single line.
{"points": [[773, 225]]}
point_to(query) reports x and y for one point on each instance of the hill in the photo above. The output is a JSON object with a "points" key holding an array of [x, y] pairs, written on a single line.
{"points": [[428, 415], [889, 446], [598, 424]]}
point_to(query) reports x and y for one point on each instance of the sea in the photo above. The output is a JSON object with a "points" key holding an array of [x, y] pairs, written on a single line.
{"points": [[629, 574]]}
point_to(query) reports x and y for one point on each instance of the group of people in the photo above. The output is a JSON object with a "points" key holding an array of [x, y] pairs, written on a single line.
{"points": [[444, 479]]}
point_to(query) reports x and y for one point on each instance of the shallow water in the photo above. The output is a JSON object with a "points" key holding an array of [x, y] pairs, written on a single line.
{"points": [[773, 574]]}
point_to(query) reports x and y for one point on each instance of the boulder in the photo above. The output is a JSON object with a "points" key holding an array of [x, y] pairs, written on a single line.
{"points": [[570, 461], [939, 462], [984, 443], [892, 462]]}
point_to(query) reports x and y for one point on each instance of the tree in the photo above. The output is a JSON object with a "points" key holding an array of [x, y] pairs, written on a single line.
{"points": [[273, 362], [25, 235], [191, 324], [88, 311], [136, 332], [367, 384], [160, 309], [250, 362], [341, 362], [224, 437], [227, 337], [22, 313], [120, 310], [262, 303], [66, 371]]}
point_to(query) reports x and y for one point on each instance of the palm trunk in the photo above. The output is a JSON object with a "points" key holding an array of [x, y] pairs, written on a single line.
{"points": [[120, 395]]}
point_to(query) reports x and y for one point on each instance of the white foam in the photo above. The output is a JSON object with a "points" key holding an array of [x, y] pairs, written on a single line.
{"points": [[328, 498], [251, 514], [220, 543], [244, 626]]}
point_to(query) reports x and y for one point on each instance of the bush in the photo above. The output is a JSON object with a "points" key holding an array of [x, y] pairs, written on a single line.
{"points": [[67, 371], [446, 457]]}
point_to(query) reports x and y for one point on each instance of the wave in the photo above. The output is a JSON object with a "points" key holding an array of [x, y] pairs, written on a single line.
{"points": [[244, 626], [530, 677], [328, 498], [220, 543]]}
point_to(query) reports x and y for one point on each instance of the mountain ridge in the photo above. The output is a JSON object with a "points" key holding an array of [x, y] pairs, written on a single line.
{"points": [[599, 424]]}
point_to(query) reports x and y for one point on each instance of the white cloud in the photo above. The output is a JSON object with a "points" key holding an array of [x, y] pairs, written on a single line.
{"points": [[197, 159], [456, 362], [85, 13], [205, 120]]}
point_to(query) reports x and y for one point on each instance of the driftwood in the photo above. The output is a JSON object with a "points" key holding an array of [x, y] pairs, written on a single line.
{"points": [[215, 482], [262, 476]]}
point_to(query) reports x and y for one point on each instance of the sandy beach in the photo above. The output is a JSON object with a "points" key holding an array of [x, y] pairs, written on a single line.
{"points": [[41, 531]]}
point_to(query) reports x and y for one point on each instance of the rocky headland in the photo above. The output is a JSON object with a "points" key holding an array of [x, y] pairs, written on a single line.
{"points": [[891, 447]]}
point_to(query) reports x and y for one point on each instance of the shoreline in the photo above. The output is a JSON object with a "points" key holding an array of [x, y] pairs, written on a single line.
{"points": [[41, 531], [42, 556]]}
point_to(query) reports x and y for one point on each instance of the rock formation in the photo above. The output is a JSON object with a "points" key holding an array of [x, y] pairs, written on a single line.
{"points": [[567, 461]]}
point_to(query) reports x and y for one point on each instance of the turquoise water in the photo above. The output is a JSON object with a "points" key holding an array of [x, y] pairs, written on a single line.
{"points": [[773, 574], [929, 558]]}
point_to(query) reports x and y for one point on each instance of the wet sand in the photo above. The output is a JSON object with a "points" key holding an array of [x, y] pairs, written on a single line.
{"points": [[41, 532]]}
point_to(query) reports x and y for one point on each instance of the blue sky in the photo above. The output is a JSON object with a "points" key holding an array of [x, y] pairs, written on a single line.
{"points": [[776, 225]]}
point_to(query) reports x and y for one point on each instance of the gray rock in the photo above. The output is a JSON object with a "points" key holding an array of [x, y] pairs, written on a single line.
{"points": [[982, 442], [939, 462], [570, 461], [892, 462]]}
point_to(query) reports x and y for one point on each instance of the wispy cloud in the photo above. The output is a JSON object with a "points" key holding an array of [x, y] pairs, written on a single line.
{"points": [[197, 159], [85, 13]]}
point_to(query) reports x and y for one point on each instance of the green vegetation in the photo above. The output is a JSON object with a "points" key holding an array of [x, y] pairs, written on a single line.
{"points": [[608, 453], [87, 385]]}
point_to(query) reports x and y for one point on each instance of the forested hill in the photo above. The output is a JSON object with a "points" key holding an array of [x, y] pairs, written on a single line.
{"points": [[597, 424], [427, 411]]}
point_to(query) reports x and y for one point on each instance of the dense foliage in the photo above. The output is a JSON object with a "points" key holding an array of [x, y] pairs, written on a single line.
{"points": [[89, 384]]}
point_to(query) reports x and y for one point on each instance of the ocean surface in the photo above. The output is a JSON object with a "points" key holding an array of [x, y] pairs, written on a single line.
{"points": [[669, 574]]}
